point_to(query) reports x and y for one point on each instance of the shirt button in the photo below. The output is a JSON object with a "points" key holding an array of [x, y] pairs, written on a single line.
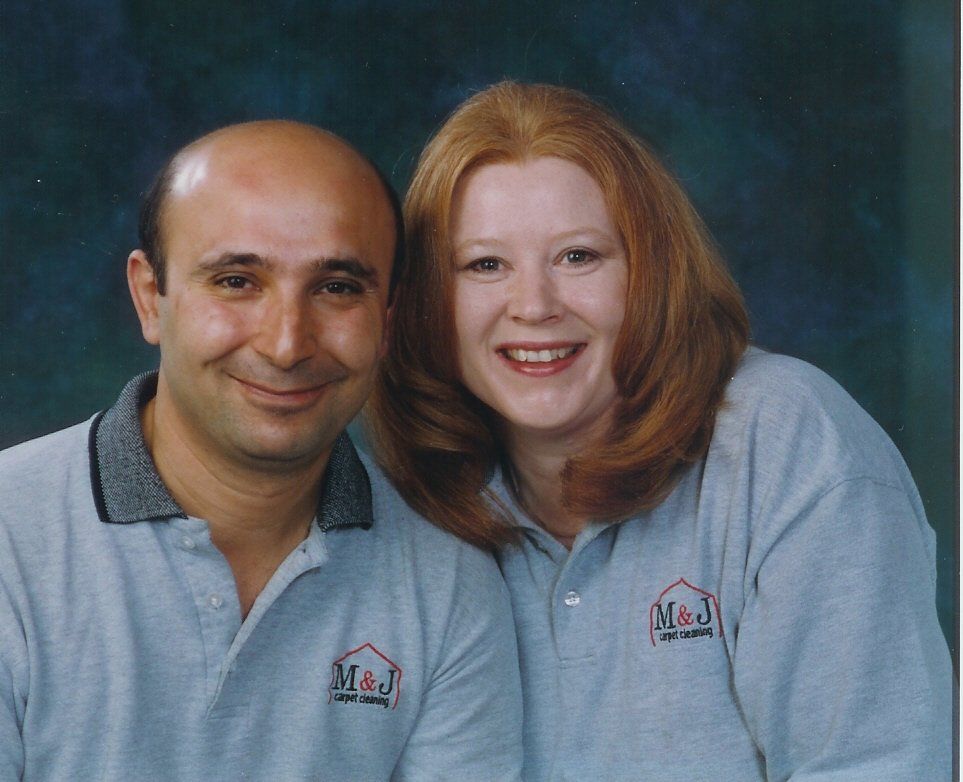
{"points": [[187, 542], [572, 599], [215, 601]]}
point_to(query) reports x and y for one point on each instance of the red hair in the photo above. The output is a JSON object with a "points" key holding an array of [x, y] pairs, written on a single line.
{"points": [[685, 324]]}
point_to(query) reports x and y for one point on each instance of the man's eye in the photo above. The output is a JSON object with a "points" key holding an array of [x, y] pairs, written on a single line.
{"points": [[341, 287], [234, 281]]}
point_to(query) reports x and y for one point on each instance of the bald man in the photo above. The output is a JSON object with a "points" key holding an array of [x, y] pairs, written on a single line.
{"points": [[206, 581]]}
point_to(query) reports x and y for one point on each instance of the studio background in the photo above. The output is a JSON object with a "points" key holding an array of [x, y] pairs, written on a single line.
{"points": [[818, 141]]}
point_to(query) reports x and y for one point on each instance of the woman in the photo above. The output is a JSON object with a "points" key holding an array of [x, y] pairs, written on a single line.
{"points": [[719, 565]]}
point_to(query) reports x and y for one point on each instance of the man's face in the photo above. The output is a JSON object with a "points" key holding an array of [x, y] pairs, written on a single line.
{"points": [[274, 316]]}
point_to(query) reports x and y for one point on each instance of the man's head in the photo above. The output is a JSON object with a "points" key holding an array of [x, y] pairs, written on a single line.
{"points": [[149, 231], [265, 280]]}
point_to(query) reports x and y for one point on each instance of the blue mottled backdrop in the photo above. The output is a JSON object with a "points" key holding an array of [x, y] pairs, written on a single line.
{"points": [[817, 139]]}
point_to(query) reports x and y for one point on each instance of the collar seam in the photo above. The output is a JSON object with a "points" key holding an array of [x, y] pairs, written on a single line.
{"points": [[96, 484]]}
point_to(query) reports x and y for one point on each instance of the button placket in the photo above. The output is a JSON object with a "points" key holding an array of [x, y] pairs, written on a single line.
{"points": [[575, 614], [309, 555], [211, 583]]}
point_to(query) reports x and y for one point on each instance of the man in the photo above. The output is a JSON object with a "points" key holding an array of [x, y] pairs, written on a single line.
{"points": [[206, 581]]}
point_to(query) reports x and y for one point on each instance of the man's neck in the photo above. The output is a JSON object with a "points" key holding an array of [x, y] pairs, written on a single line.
{"points": [[256, 517]]}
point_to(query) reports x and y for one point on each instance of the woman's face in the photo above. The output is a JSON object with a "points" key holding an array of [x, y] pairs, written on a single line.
{"points": [[540, 287]]}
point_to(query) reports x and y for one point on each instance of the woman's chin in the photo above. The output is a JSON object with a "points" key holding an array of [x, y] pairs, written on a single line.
{"points": [[553, 423]]}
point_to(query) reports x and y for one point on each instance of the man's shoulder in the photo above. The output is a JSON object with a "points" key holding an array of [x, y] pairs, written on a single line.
{"points": [[44, 486], [31, 464], [396, 519]]}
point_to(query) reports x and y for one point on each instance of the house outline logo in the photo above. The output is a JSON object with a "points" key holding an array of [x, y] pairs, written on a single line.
{"points": [[691, 614], [365, 676]]}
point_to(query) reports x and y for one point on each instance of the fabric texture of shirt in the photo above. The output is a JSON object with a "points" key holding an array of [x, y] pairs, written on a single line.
{"points": [[380, 648], [772, 619]]}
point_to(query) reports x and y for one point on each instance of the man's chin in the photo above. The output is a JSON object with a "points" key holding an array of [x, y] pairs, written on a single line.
{"points": [[284, 454]]}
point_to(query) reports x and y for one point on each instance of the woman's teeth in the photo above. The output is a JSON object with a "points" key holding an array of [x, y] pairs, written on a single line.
{"points": [[540, 356]]}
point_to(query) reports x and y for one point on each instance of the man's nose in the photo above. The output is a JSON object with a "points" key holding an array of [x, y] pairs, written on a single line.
{"points": [[288, 332], [533, 296]]}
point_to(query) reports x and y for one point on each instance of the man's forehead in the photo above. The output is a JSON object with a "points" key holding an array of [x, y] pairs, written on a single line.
{"points": [[272, 147], [281, 223], [188, 174], [264, 164], [282, 176]]}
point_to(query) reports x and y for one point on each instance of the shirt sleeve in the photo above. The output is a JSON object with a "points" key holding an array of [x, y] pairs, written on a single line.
{"points": [[470, 723], [12, 690], [840, 665]]}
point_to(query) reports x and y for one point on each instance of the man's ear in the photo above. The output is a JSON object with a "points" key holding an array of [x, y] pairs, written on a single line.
{"points": [[143, 290]]}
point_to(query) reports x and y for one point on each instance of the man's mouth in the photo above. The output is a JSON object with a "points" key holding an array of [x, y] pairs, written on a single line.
{"points": [[264, 389], [287, 397]]}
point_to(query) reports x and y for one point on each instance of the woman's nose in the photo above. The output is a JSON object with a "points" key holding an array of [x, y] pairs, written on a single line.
{"points": [[533, 297]]}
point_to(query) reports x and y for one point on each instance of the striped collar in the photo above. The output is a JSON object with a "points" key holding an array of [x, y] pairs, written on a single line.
{"points": [[127, 488]]}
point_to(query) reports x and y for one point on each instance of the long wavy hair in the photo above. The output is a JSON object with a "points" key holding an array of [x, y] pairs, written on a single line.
{"points": [[684, 330]]}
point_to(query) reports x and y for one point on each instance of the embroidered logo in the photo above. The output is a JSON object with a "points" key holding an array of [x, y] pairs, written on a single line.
{"points": [[684, 613], [365, 676]]}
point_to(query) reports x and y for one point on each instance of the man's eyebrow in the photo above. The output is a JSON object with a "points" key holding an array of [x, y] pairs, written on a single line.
{"points": [[350, 266], [231, 260]]}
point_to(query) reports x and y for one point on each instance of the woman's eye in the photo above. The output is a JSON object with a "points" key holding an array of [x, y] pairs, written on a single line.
{"points": [[485, 265], [578, 256]]}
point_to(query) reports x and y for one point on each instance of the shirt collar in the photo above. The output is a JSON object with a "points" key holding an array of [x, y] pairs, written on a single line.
{"points": [[128, 489], [537, 535]]}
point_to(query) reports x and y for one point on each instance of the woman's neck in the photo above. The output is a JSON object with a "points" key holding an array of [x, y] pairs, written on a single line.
{"points": [[536, 466]]}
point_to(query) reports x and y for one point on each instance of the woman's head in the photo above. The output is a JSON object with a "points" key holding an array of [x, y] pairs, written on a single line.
{"points": [[683, 325]]}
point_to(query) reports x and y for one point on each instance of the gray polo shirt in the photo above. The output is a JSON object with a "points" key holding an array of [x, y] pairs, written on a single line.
{"points": [[774, 618], [381, 648]]}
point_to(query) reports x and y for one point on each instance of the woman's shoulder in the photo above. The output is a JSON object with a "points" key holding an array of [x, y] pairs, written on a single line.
{"points": [[791, 413], [763, 376], [791, 450]]}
